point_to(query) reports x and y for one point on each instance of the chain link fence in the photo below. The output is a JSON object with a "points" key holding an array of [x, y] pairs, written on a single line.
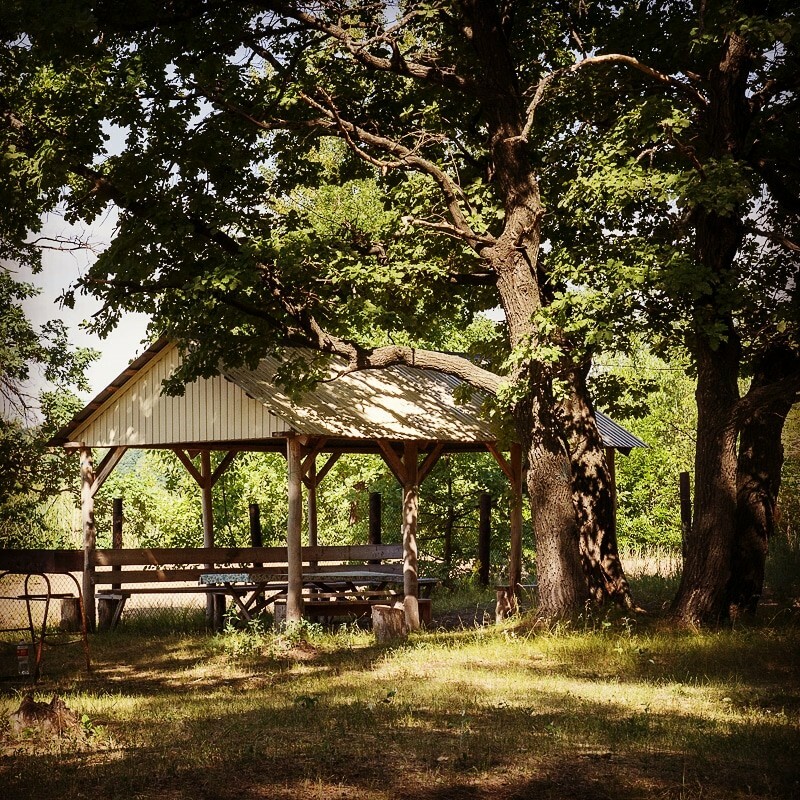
{"points": [[60, 616]]}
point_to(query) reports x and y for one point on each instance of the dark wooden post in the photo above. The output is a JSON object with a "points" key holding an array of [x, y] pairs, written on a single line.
{"points": [[612, 476], [116, 533], [375, 516], [484, 538], [256, 537], [294, 556], [686, 510], [89, 534], [515, 556]]}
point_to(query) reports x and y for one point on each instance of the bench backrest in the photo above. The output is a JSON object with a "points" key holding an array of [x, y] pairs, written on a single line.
{"points": [[188, 564]]}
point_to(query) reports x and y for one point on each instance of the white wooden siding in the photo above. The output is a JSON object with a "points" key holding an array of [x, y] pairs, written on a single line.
{"points": [[211, 410]]}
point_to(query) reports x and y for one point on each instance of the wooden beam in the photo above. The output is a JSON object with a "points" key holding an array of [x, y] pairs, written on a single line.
{"points": [[111, 459], [213, 611], [223, 465], [392, 460], [191, 468], [430, 462], [326, 467], [500, 459], [312, 452]]}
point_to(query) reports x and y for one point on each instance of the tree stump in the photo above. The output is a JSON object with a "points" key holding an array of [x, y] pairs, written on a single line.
{"points": [[388, 624], [506, 604], [106, 608], [70, 614]]}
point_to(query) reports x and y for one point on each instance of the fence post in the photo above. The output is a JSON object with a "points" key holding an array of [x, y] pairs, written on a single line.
{"points": [[116, 534], [256, 536], [485, 538], [375, 514], [686, 511]]}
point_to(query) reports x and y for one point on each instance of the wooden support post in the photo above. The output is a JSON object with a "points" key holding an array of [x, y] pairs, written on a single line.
{"points": [[375, 521], [515, 555], [612, 477], [116, 533], [206, 485], [484, 538], [89, 534], [686, 510], [294, 594], [410, 552], [311, 483]]}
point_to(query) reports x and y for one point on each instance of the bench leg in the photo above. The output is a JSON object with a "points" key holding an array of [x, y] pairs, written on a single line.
{"points": [[219, 613], [109, 611]]}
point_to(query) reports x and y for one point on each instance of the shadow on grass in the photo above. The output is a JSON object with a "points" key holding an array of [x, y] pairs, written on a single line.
{"points": [[334, 749], [431, 720]]}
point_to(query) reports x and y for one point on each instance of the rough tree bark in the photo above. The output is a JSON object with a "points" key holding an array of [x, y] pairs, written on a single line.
{"points": [[593, 496], [758, 482], [706, 569], [702, 591], [562, 589]]}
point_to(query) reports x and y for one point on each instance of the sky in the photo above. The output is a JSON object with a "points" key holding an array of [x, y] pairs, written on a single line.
{"points": [[61, 271]]}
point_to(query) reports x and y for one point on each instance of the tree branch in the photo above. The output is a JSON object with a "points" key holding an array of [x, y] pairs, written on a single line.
{"points": [[760, 399], [608, 58], [776, 237], [404, 158], [357, 49]]}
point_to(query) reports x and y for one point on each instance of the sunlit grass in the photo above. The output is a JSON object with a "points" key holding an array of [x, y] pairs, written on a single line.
{"points": [[605, 706]]}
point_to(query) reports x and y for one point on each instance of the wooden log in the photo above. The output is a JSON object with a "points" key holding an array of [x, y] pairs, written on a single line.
{"points": [[70, 614], [388, 624], [256, 536]]}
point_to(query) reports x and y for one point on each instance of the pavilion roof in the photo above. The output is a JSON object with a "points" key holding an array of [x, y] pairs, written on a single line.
{"points": [[247, 406]]}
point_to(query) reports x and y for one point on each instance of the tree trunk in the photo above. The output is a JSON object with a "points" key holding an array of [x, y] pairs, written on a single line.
{"points": [[758, 481], [514, 258], [593, 495], [706, 570], [561, 585]]}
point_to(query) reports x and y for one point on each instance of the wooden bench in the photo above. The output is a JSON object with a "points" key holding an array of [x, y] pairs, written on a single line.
{"points": [[252, 577], [358, 607]]}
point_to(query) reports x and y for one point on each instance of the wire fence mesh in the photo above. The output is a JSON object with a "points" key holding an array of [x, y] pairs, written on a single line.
{"points": [[47, 603]]}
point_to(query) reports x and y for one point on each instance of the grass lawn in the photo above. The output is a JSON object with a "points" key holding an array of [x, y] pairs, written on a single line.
{"points": [[606, 707]]}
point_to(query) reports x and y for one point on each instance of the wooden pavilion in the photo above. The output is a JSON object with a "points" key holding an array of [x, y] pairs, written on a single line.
{"points": [[407, 416]]}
